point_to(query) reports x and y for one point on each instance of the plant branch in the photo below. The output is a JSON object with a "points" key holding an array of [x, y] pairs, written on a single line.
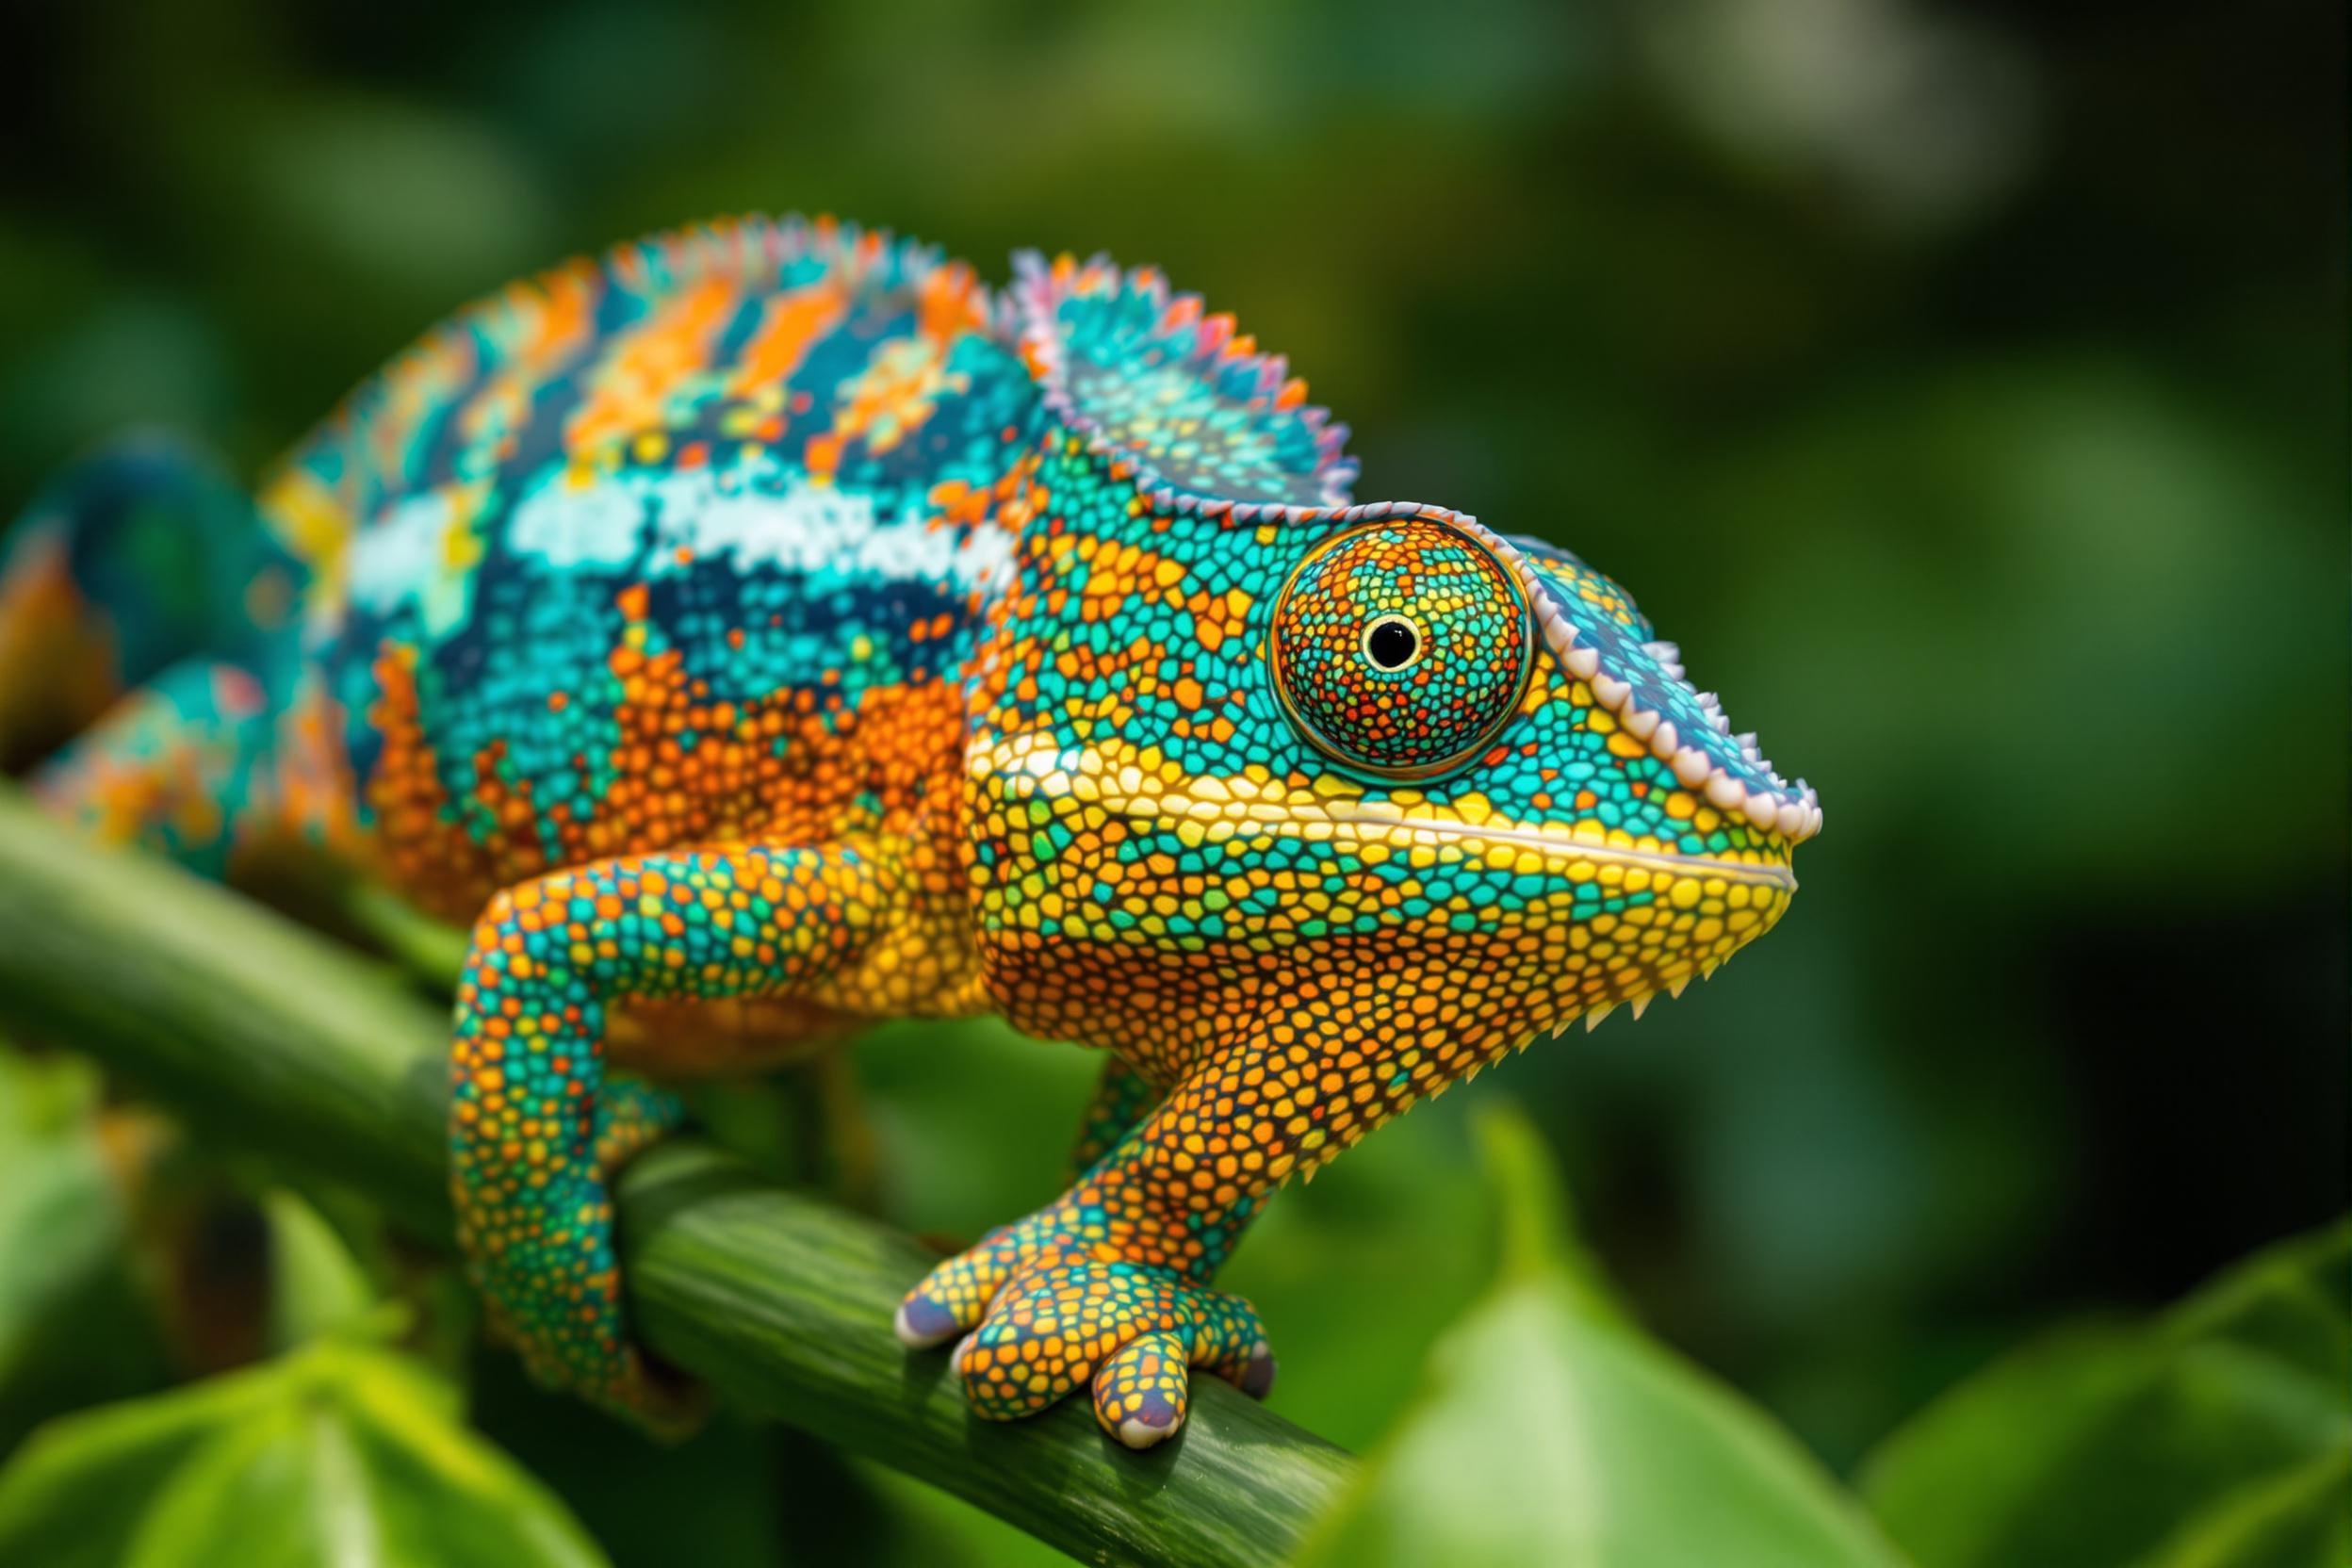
{"points": [[264, 1033]]}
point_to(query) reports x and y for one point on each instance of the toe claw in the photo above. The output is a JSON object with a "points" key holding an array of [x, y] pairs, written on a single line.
{"points": [[922, 1323], [1136, 1432], [1257, 1380]]}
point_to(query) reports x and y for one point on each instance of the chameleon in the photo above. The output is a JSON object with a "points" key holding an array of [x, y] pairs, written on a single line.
{"points": [[768, 627]]}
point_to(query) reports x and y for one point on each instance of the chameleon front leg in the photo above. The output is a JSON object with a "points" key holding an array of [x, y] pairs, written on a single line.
{"points": [[1108, 1285], [533, 1118], [1123, 1097]]}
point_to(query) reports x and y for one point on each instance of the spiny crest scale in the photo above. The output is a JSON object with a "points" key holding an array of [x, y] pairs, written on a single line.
{"points": [[1154, 380]]}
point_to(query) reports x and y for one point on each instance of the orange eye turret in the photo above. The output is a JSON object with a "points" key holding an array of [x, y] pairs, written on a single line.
{"points": [[1401, 648]]}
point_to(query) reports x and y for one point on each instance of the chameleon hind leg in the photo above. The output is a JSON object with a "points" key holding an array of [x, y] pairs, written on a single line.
{"points": [[531, 1101], [632, 1114], [179, 768], [128, 561]]}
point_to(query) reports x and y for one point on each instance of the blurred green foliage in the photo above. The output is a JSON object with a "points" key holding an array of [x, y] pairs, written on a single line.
{"points": [[1551, 1430], [2234, 1409], [340, 1451], [72, 1329], [1960, 386], [1548, 1427]]}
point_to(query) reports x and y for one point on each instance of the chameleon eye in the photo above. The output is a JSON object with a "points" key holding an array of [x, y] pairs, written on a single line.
{"points": [[1401, 648]]}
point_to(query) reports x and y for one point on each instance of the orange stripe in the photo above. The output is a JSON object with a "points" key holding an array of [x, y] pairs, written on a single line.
{"points": [[787, 324], [647, 360]]}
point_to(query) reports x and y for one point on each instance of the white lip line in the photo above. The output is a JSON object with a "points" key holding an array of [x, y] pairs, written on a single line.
{"points": [[1739, 870]]}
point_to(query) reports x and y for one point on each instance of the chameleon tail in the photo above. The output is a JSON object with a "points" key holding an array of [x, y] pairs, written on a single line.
{"points": [[179, 767], [133, 560], [140, 599]]}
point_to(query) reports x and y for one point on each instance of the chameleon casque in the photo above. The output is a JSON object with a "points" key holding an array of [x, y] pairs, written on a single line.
{"points": [[768, 628]]}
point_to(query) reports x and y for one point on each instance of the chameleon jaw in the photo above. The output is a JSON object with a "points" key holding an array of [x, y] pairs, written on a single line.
{"points": [[1703, 908]]}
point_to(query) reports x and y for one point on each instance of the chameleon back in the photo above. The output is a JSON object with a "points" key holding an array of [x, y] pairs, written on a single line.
{"points": [[682, 545]]}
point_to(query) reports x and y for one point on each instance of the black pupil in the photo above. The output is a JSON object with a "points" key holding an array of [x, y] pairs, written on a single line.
{"points": [[1392, 645]]}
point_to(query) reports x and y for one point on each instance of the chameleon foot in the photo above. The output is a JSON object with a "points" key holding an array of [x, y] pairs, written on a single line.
{"points": [[663, 1403], [657, 1399], [1052, 1314]]}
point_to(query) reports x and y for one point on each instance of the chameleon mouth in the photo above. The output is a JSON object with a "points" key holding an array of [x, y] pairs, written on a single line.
{"points": [[1219, 809], [1564, 846]]}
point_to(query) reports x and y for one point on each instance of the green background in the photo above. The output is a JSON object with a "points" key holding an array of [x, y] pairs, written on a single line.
{"points": [[1960, 386]]}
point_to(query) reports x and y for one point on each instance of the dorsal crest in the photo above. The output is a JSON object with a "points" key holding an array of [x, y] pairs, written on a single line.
{"points": [[1153, 382]]}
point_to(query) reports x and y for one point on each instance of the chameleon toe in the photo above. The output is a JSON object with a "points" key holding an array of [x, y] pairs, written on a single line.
{"points": [[1141, 1393], [922, 1323]]}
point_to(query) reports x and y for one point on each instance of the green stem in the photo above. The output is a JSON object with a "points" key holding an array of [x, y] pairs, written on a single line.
{"points": [[263, 1033]]}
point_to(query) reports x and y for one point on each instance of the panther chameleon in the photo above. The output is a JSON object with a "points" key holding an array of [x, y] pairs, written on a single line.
{"points": [[768, 627]]}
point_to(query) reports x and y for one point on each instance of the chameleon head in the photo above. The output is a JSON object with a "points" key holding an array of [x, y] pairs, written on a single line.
{"points": [[1536, 795], [1251, 762], [1384, 764]]}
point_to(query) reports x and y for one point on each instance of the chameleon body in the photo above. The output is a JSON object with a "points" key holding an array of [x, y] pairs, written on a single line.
{"points": [[767, 628]]}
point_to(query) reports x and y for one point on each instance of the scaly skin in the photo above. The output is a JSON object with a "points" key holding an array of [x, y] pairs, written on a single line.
{"points": [[767, 628]]}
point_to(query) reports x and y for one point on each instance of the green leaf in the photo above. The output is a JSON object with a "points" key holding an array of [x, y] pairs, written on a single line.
{"points": [[73, 1493], [2294, 1521], [317, 1285], [1551, 1432], [280, 1487], [61, 1219], [341, 1453], [75, 1327], [1539, 1237], [2220, 1433]]}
